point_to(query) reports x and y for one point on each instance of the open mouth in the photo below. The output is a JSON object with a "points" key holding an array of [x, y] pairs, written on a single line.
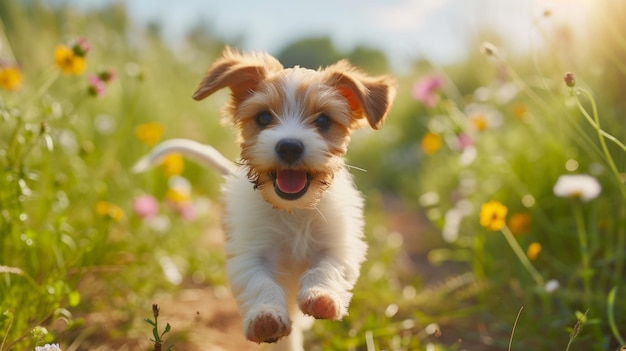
{"points": [[290, 184]]}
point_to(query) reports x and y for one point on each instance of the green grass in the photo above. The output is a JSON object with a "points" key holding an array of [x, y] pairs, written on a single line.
{"points": [[71, 243]]}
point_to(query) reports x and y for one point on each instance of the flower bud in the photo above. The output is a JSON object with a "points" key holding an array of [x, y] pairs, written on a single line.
{"points": [[570, 79], [155, 310], [44, 128], [106, 75], [488, 49], [81, 47]]}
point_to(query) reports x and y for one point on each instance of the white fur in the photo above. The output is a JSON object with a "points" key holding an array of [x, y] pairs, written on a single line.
{"points": [[279, 258], [289, 255], [276, 257]]}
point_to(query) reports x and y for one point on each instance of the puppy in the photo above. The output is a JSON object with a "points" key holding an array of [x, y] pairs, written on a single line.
{"points": [[292, 215]]}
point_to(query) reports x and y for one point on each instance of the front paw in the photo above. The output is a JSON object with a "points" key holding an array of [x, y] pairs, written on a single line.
{"points": [[321, 304], [267, 324]]}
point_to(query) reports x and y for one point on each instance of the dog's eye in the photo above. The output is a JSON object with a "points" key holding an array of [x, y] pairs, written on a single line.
{"points": [[264, 119], [323, 122]]}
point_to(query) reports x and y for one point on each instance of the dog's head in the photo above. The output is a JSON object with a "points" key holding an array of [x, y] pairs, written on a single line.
{"points": [[295, 124]]}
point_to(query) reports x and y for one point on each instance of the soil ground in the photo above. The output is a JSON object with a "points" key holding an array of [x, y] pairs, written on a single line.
{"points": [[207, 318], [210, 317]]}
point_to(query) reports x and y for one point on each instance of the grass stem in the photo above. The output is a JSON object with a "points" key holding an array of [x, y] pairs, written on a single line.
{"points": [[585, 272], [514, 326], [595, 123], [610, 304], [508, 235]]}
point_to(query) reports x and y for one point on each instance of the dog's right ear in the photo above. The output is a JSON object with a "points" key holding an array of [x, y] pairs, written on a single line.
{"points": [[239, 72]]}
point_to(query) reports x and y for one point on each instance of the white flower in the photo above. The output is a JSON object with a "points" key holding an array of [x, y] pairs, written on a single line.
{"points": [[577, 186], [48, 347], [170, 270], [160, 223], [506, 92], [453, 218], [180, 184], [482, 117], [552, 285]]}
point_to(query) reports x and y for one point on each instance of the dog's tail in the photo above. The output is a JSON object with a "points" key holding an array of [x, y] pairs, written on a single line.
{"points": [[204, 154]]}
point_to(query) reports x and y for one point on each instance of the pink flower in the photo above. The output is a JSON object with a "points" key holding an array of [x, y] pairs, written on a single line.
{"points": [[106, 75], [187, 212], [146, 206], [81, 47], [95, 86], [426, 90], [464, 141]]}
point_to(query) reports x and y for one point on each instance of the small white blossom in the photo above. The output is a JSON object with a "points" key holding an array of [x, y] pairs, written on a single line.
{"points": [[48, 347], [552, 285], [170, 270], [181, 185], [577, 186], [483, 116], [160, 223]]}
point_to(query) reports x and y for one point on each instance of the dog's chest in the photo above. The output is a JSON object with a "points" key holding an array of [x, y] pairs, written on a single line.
{"points": [[299, 236]]}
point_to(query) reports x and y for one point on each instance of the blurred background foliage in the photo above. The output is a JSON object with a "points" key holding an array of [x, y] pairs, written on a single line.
{"points": [[497, 125]]}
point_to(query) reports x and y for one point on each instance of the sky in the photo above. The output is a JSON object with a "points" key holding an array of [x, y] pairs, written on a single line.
{"points": [[436, 30]]}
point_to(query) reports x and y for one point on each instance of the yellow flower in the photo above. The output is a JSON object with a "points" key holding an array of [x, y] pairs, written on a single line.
{"points": [[479, 121], [520, 111], [10, 78], [173, 164], [107, 209], [149, 133], [493, 215], [431, 142], [68, 61], [533, 251], [177, 197], [519, 223], [179, 192]]}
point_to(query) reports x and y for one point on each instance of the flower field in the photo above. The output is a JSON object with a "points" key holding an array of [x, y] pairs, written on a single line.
{"points": [[496, 194]]}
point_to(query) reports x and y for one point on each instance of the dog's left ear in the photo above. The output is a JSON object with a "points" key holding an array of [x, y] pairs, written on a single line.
{"points": [[368, 97]]}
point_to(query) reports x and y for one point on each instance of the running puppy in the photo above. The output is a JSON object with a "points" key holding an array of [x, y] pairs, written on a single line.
{"points": [[293, 217]]}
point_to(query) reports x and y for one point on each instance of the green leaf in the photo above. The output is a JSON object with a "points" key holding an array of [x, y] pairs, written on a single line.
{"points": [[582, 317], [73, 298], [610, 304], [167, 330], [6, 315]]}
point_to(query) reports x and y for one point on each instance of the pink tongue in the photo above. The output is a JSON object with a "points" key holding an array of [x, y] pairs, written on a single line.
{"points": [[291, 181]]}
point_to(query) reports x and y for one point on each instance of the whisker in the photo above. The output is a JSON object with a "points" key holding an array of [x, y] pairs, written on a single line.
{"points": [[321, 214], [328, 153], [357, 168]]}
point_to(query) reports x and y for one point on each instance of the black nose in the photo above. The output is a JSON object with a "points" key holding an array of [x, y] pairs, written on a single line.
{"points": [[289, 150]]}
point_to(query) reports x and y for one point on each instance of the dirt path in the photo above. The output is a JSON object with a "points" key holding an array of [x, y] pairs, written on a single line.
{"points": [[201, 318], [208, 319]]}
